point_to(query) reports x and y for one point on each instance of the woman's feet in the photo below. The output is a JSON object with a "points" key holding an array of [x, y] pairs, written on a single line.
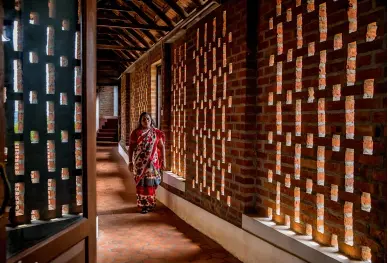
{"points": [[146, 209], [151, 208]]}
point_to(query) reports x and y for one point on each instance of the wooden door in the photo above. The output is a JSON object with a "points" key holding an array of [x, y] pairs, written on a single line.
{"points": [[47, 131]]}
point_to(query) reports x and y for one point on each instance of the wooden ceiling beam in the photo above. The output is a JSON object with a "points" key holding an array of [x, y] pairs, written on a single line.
{"points": [[120, 53], [109, 72], [104, 41], [131, 19], [121, 24], [159, 12], [126, 35], [140, 12], [127, 54], [116, 55], [142, 15], [113, 47], [113, 6], [197, 2], [121, 9], [180, 11], [124, 39], [137, 36], [105, 36]]}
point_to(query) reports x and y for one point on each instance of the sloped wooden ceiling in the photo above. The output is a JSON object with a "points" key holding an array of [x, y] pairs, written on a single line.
{"points": [[128, 28]]}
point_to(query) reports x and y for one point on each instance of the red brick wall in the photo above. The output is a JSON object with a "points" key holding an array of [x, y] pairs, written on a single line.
{"points": [[227, 189], [140, 91], [106, 100], [309, 112]]}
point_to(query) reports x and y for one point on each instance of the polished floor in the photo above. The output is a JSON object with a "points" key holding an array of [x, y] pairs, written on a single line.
{"points": [[126, 236]]}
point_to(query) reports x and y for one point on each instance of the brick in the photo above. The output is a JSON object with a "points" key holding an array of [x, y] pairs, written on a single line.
{"points": [[106, 101]]}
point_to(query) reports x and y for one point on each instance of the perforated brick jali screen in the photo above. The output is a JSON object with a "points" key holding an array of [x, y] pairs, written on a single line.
{"points": [[200, 105], [322, 75], [43, 104]]}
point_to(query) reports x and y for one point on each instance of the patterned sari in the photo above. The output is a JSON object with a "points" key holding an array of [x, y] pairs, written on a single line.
{"points": [[146, 164]]}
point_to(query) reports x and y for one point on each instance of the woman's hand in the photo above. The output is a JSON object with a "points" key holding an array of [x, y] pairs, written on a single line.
{"points": [[130, 167], [163, 166]]}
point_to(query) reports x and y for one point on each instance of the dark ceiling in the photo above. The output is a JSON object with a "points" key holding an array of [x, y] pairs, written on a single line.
{"points": [[128, 28]]}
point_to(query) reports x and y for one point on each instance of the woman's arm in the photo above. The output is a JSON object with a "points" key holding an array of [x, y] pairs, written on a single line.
{"points": [[162, 153], [132, 146], [131, 150]]}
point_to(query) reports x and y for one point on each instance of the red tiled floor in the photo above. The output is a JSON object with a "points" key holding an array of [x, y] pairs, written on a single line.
{"points": [[126, 236]]}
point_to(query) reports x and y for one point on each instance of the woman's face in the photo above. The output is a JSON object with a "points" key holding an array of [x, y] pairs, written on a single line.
{"points": [[146, 121]]}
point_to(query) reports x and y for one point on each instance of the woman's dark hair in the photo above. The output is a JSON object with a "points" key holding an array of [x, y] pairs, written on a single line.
{"points": [[149, 115]]}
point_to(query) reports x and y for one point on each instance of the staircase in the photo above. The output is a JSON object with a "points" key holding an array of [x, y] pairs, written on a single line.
{"points": [[107, 134]]}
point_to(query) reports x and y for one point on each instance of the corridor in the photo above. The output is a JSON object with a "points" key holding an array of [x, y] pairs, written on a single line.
{"points": [[128, 236]]}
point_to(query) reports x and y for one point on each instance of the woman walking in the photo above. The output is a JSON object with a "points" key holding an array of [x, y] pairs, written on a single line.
{"points": [[147, 159]]}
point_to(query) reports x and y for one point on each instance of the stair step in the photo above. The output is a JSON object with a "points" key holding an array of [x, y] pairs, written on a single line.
{"points": [[100, 143], [106, 135], [108, 130], [106, 139]]}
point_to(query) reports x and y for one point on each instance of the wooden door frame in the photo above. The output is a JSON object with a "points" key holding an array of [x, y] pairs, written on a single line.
{"points": [[3, 218], [85, 229]]}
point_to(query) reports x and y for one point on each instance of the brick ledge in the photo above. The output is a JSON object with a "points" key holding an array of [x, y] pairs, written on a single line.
{"points": [[174, 180], [301, 246]]}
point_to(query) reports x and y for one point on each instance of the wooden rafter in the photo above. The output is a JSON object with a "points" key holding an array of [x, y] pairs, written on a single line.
{"points": [[131, 19], [112, 47], [136, 35], [159, 12], [180, 11], [119, 62], [140, 12], [113, 6], [121, 39], [127, 28], [197, 2], [124, 34], [128, 54], [142, 15], [107, 69], [132, 33], [123, 56], [121, 24], [145, 32], [104, 36]]}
